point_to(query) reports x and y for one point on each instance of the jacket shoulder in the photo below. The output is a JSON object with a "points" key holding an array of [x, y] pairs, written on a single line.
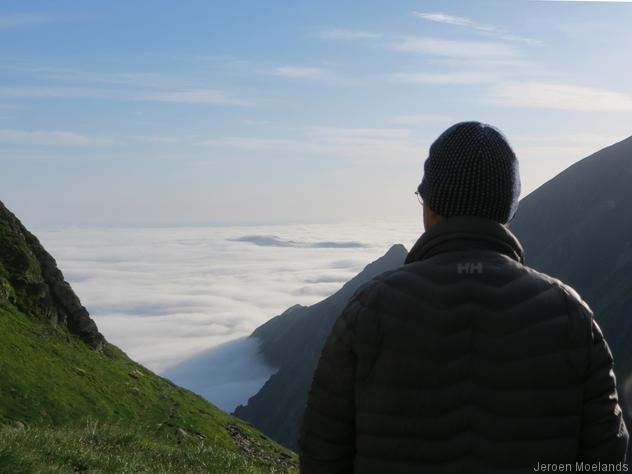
{"points": [[571, 296]]}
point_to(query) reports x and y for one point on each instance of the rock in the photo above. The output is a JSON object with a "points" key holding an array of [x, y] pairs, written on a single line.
{"points": [[7, 294], [30, 279], [248, 444], [135, 374]]}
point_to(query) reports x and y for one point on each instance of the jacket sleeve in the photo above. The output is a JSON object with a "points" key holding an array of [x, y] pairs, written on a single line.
{"points": [[604, 437], [327, 435]]}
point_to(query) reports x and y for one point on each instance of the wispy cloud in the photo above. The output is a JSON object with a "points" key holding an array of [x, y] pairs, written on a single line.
{"points": [[490, 30], [183, 96], [78, 78], [20, 92], [456, 48], [444, 78], [342, 34], [443, 18], [299, 72], [49, 138], [198, 96], [560, 96], [226, 375], [18, 20], [312, 74]]}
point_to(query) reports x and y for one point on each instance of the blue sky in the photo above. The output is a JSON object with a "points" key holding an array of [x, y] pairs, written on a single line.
{"points": [[155, 112]]}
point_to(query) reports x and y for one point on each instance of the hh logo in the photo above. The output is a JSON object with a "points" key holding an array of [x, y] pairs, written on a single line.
{"points": [[469, 267]]}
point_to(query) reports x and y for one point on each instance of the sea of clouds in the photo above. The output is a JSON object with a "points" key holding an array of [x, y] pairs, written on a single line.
{"points": [[181, 300]]}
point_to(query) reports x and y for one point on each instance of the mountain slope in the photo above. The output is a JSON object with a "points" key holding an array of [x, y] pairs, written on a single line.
{"points": [[293, 341], [578, 227], [58, 376]]}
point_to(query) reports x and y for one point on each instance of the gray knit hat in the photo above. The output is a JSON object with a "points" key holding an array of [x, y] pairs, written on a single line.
{"points": [[471, 171]]}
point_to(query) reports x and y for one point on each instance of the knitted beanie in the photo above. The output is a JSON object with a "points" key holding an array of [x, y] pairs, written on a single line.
{"points": [[471, 171]]}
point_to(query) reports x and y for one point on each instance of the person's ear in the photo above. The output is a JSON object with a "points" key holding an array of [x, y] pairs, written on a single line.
{"points": [[431, 217]]}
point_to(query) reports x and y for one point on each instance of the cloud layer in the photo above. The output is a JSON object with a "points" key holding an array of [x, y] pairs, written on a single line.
{"points": [[226, 375], [274, 241], [165, 294]]}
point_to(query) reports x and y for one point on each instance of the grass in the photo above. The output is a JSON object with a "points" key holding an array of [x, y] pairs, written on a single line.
{"points": [[78, 410], [97, 448]]}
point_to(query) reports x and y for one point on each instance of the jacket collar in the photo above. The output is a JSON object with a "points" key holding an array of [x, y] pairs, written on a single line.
{"points": [[466, 233]]}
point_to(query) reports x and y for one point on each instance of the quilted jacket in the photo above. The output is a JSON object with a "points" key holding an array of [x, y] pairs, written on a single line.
{"points": [[463, 360]]}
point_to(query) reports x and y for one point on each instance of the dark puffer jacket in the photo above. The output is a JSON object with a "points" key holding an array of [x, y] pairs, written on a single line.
{"points": [[463, 360]]}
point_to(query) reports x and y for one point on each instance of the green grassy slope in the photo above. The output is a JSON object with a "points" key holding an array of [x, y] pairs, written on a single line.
{"points": [[66, 408], [72, 402]]}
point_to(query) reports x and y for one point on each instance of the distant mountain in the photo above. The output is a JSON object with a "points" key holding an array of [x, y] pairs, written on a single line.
{"points": [[293, 341], [72, 402], [578, 227]]}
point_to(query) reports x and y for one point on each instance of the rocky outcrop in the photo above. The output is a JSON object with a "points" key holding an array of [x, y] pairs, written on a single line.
{"points": [[30, 280]]}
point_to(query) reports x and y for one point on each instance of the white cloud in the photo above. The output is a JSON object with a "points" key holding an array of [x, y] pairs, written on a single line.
{"points": [[73, 75], [165, 294], [299, 72], [560, 96], [227, 375], [20, 92], [456, 48], [489, 30], [343, 34], [183, 96], [443, 18], [18, 20], [49, 138], [198, 96], [444, 78]]}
